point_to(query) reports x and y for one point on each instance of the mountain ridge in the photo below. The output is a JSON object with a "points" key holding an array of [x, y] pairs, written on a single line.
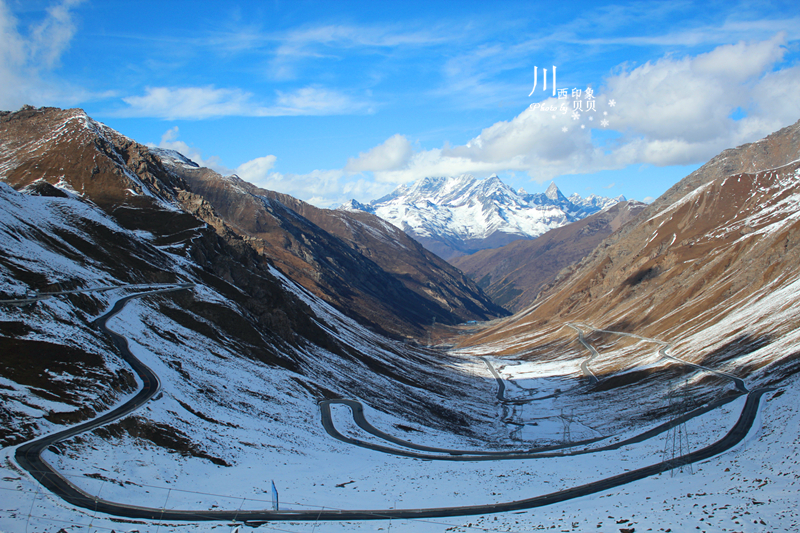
{"points": [[145, 190], [661, 329], [512, 275], [96, 234], [358, 263], [459, 215]]}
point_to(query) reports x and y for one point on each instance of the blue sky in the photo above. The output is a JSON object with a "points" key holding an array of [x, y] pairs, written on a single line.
{"points": [[329, 101]]}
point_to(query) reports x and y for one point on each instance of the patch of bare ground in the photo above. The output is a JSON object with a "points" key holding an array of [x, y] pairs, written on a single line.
{"points": [[161, 435], [57, 373]]}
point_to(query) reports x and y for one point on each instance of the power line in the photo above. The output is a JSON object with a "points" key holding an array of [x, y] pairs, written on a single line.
{"points": [[159, 523]]}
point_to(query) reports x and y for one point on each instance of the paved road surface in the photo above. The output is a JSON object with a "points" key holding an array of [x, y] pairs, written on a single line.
{"points": [[738, 382], [28, 455], [733, 437]]}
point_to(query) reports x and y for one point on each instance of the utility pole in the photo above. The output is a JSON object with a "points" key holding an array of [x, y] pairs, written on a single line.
{"points": [[566, 421], [676, 442]]}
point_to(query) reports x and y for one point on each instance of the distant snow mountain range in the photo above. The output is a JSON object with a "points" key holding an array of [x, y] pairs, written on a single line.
{"points": [[460, 215]]}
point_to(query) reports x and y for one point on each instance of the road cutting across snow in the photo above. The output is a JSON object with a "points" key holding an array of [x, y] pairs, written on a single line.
{"points": [[28, 456]]}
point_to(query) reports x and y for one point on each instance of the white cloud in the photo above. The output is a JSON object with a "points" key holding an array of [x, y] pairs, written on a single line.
{"points": [[27, 59], [678, 111], [322, 188], [331, 41], [361, 188], [393, 154], [195, 103], [51, 37], [728, 31], [257, 171], [739, 62], [531, 142], [189, 102], [13, 57], [774, 102], [673, 111], [313, 101]]}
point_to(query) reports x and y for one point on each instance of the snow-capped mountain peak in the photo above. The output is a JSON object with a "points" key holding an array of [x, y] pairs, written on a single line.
{"points": [[553, 193], [595, 202], [457, 215], [354, 205]]}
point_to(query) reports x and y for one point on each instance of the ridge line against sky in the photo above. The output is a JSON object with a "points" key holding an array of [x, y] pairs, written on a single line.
{"points": [[329, 102]]}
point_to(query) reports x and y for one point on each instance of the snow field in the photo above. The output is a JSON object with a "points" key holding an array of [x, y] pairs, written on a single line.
{"points": [[308, 479], [760, 484]]}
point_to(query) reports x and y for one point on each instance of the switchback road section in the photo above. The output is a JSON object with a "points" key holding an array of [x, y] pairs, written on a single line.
{"points": [[29, 457]]}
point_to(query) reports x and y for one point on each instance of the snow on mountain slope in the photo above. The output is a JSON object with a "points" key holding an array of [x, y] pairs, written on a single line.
{"points": [[357, 262], [246, 356], [513, 274], [261, 421], [712, 274], [594, 202], [49, 144], [232, 395], [460, 215]]}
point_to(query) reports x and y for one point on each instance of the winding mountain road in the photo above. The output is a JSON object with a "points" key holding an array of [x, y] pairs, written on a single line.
{"points": [[540, 452], [738, 382], [28, 456], [585, 364], [733, 437]]}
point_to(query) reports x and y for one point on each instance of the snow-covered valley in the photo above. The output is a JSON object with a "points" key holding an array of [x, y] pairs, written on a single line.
{"points": [[266, 427]]}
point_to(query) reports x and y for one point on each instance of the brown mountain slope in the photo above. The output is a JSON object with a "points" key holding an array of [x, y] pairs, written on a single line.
{"points": [[713, 273], [51, 144], [395, 252], [239, 306], [513, 274], [366, 268]]}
